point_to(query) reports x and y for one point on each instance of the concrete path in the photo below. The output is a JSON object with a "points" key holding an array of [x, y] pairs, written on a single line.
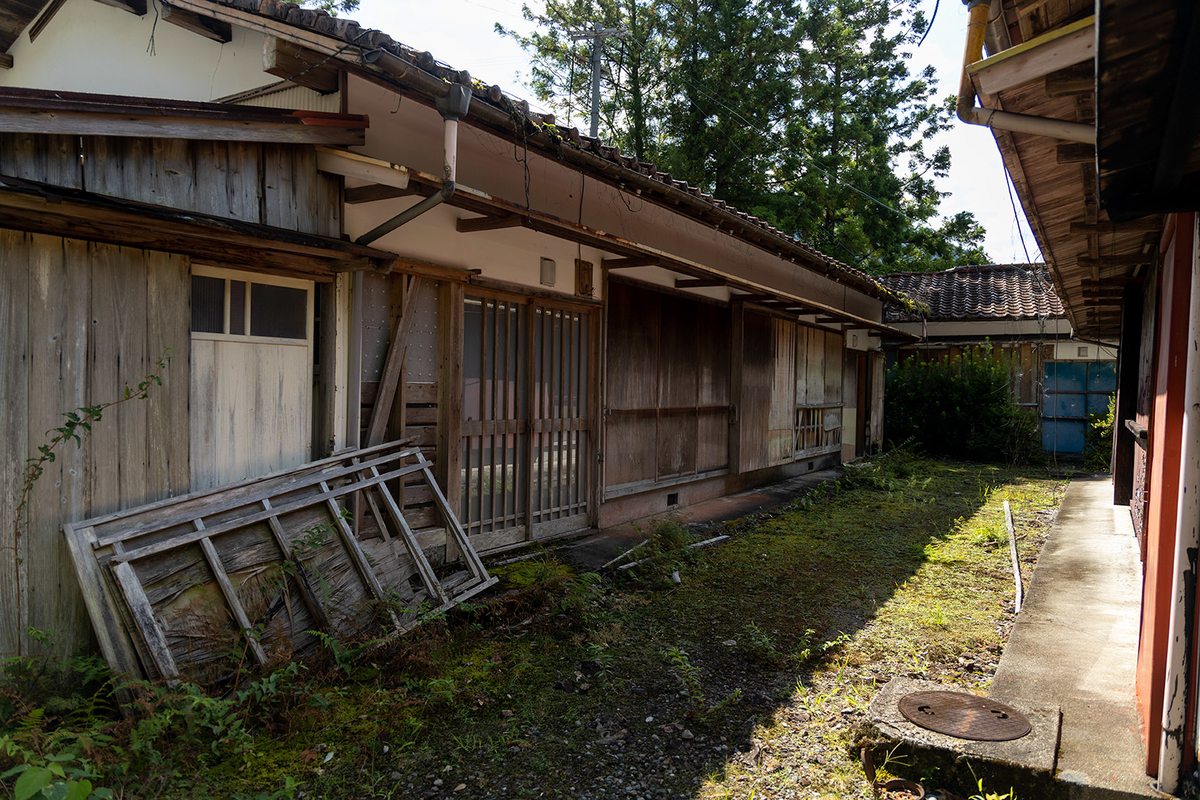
{"points": [[1074, 645], [593, 551]]}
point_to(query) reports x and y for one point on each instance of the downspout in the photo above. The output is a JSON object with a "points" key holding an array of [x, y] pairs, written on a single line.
{"points": [[1181, 638], [453, 107], [972, 114]]}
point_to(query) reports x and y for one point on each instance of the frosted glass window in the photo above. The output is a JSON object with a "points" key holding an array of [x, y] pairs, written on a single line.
{"points": [[278, 311], [208, 304]]}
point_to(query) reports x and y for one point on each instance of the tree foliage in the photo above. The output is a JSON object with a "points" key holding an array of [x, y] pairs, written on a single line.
{"points": [[803, 112], [960, 407], [332, 6]]}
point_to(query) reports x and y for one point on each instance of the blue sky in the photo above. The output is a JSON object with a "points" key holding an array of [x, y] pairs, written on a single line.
{"points": [[461, 34]]}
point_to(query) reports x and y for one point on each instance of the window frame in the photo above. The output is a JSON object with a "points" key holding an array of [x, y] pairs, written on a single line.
{"points": [[249, 278]]}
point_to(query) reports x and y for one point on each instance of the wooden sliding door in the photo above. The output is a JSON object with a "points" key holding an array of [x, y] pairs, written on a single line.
{"points": [[526, 454], [667, 387]]}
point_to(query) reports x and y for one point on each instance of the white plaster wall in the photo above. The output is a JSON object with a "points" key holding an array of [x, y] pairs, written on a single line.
{"points": [[1024, 327], [409, 133], [91, 47], [1084, 351]]}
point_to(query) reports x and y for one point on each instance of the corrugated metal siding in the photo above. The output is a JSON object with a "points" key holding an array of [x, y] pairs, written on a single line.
{"points": [[298, 97]]}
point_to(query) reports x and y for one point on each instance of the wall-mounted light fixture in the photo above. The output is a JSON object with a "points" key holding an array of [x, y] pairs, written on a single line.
{"points": [[548, 272]]}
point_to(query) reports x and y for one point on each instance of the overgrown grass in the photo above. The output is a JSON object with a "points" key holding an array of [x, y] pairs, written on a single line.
{"points": [[747, 678]]}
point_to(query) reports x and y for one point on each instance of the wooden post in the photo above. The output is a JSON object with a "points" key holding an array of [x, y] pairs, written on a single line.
{"points": [[529, 411], [450, 396], [1128, 359], [393, 367], [735, 387]]}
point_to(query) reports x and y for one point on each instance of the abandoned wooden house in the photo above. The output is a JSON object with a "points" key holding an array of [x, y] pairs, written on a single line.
{"points": [[340, 243], [1012, 311]]}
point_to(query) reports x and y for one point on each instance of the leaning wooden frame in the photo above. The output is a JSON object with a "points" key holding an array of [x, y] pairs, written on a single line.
{"points": [[201, 587]]}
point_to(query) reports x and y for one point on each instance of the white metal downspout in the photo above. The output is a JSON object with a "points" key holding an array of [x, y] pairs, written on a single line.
{"points": [[972, 114], [1181, 642], [452, 107]]}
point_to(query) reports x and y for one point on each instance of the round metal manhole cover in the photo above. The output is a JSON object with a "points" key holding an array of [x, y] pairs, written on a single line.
{"points": [[964, 716]]}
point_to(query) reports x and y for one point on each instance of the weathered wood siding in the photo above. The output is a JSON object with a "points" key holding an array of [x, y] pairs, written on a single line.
{"points": [[667, 389], [754, 407], [270, 184], [82, 321]]}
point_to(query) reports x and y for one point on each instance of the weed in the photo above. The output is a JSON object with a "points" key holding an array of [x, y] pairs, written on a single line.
{"points": [[689, 677], [983, 794]]}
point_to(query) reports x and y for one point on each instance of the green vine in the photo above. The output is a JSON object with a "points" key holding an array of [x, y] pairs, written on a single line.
{"points": [[76, 424]]}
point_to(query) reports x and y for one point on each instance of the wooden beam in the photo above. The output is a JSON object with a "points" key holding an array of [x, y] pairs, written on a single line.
{"points": [[1145, 224], [1125, 260], [354, 165], [374, 192], [165, 126], [1075, 153], [203, 26], [751, 298], [41, 22], [1037, 58], [698, 283], [393, 366], [1080, 79], [137, 7], [1117, 280], [289, 61], [476, 224], [40, 208], [632, 261], [485, 204]]}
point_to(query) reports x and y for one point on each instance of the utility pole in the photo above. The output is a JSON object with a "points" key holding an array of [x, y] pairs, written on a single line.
{"points": [[598, 35]]}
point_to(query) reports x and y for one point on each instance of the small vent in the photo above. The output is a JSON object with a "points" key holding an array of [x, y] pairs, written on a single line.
{"points": [[1082, 352], [810, 466], [673, 499]]}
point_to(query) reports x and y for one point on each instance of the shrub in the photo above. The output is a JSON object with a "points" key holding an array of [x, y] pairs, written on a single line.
{"points": [[1098, 438], [959, 407]]}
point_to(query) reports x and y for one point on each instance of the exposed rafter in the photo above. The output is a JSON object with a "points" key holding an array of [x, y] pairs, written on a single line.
{"points": [[475, 224], [207, 27], [1064, 47], [374, 192]]}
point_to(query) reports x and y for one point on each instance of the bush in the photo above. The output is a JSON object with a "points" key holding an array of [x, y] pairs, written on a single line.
{"points": [[1098, 438], [961, 407]]}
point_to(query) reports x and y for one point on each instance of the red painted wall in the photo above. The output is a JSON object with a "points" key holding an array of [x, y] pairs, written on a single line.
{"points": [[1165, 433]]}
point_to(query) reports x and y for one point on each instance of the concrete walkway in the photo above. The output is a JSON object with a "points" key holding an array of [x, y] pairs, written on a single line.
{"points": [[1074, 645], [593, 551]]}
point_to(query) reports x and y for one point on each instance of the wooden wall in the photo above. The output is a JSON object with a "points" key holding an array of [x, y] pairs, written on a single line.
{"points": [[81, 321], [667, 387], [792, 391], [270, 184]]}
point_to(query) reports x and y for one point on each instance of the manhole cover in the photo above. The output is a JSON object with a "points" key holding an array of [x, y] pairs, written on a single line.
{"points": [[964, 716]]}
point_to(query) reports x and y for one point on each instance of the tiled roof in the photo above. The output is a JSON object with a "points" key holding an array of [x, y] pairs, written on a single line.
{"points": [[994, 291], [368, 39]]}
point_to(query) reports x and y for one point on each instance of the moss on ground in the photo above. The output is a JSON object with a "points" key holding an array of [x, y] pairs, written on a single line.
{"points": [[745, 679]]}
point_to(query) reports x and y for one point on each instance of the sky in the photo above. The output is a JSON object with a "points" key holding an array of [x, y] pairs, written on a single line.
{"points": [[461, 33]]}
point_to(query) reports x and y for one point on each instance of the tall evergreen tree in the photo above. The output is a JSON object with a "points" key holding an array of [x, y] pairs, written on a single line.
{"points": [[803, 112], [856, 161]]}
